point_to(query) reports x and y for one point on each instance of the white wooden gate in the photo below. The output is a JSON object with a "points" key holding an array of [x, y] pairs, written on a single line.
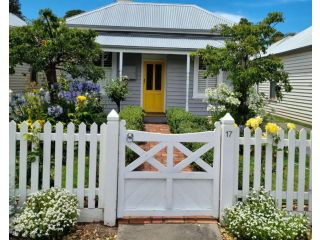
{"points": [[168, 191]]}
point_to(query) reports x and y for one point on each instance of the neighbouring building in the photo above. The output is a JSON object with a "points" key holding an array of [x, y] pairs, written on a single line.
{"points": [[24, 75], [296, 54]]}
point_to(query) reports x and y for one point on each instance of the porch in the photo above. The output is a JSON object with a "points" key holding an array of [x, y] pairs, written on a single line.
{"points": [[161, 74]]}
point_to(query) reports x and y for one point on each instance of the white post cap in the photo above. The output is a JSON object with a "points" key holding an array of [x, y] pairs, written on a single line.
{"points": [[227, 119], [113, 116]]}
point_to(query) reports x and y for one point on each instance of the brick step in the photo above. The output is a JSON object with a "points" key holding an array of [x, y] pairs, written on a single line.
{"points": [[167, 220]]}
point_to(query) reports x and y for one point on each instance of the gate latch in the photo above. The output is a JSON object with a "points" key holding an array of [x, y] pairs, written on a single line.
{"points": [[130, 137]]}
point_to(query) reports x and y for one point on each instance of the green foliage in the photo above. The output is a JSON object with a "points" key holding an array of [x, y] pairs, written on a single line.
{"points": [[257, 217], [49, 45], [181, 121], [74, 12], [36, 105], [117, 90], [47, 214], [15, 8], [242, 58], [134, 116], [34, 138], [175, 116]]}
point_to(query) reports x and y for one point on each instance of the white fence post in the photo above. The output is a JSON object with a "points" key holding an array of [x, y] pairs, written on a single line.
{"points": [[111, 169], [228, 159]]}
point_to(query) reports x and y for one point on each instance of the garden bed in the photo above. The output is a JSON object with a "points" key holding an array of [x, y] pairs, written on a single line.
{"points": [[88, 231]]}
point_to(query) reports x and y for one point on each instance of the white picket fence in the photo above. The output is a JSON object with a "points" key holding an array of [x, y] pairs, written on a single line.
{"points": [[284, 194], [97, 157]]}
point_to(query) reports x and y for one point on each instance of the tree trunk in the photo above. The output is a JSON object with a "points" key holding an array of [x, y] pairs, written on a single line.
{"points": [[118, 106], [51, 75]]}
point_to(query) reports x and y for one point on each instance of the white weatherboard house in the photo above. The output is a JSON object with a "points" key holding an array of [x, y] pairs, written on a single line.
{"points": [[24, 75], [20, 80], [151, 43], [296, 54]]}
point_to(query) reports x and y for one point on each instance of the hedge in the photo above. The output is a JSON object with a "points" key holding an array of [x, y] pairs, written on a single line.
{"points": [[134, 116], [181, 121]]}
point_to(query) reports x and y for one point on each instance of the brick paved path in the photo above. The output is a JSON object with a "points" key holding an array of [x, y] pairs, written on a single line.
{"points": [[161, 156]]}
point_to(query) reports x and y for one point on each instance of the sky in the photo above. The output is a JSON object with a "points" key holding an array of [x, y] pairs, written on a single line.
{"points": [[297, 13]]}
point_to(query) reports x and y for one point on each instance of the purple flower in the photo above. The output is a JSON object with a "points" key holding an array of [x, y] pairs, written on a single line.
{"points": [[55, 111]]}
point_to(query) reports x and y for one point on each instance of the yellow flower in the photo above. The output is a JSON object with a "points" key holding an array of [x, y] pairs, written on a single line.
{"points": [[264, 135], [81, 99], [259, 119], [272, 128], [29, 122], [41, 122], [254, 123], [291, 126], [235, 125]]}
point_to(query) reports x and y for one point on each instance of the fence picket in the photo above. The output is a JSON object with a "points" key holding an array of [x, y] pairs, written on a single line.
{"points": [[102, 158], [268, 164], [35, 167], [70, 157], [23, 164], [12, 157], [246, 162], [92, 165], [279, 169], [46, 156], [257, 159], [58, 155], [81, 163], [310, 176], [290, 169], [302, 165]]}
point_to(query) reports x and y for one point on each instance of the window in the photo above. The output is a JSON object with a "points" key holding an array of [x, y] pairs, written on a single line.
{"points": [[200, 83], [105, 60], [272, 90]]}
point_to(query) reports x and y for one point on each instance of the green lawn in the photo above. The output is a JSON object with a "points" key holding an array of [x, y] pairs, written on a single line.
{"points": [[285, 173], [278, 119]]}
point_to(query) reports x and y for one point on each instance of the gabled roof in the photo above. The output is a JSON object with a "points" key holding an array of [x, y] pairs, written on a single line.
{"points": [[298, 41], [133, 15], [16, 21]]}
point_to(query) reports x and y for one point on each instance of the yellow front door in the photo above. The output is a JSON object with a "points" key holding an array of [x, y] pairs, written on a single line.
{"points": [[153, 86]]}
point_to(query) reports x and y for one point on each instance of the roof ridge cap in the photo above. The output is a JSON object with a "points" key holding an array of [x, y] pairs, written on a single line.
{"points": [[212, 13], [91, 11], [156, 3]]}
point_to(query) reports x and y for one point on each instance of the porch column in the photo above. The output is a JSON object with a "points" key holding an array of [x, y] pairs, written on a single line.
{"points": [[187, 84], [120, 63]]}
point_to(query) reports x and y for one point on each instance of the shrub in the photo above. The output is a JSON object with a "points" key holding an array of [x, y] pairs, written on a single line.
{"points": [[134, 120], [175, 116], [47, 214], [134, 116], [36, 104], [257, 217], [181, 121], [117, 90]]}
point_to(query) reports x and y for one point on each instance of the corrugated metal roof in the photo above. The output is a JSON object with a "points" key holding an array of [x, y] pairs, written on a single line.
{"points": [[300, 40], [149, 41], [16, 21], [150, 15]]}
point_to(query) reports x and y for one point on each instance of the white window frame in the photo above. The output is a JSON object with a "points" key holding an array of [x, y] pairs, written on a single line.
{"points": [[196, 94]]}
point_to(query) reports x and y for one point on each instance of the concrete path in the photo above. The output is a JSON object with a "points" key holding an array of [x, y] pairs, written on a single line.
{"points": [[169, 232]]}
